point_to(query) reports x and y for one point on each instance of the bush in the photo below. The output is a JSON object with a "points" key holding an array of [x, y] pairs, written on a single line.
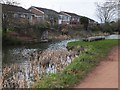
{"points": [[42, 26], [107, 28], [56, 27]]}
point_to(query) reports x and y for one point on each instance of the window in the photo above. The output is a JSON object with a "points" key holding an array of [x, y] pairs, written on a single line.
{"points": [[3, 16], [60, 17], [22, 15], [16, 15], [39, 18]]}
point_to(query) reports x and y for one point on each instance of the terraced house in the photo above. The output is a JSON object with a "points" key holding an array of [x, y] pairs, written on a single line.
{"points": [[75, 19], [38, 16], [44, 14], [15, 16], [64, 18], [68, 18]]}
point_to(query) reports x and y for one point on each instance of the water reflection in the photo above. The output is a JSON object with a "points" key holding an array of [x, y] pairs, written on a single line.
{"points": [[113, 37]]}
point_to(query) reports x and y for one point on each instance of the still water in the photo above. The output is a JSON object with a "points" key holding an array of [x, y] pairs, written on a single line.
{"points": [[113, 37], [19, 54]]}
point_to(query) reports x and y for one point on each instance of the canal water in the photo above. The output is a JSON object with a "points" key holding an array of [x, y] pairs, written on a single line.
{"points": [[21, 66], [113, 37], [15, 54], [19, 54]]}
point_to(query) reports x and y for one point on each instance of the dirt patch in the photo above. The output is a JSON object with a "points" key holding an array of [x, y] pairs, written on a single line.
{"points": [[105, 75]]}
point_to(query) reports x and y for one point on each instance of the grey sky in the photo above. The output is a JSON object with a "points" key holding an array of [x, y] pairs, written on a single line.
{"points": [[80, 7]]}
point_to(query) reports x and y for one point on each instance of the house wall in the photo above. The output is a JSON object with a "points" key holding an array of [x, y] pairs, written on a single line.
{"points": [[37, 19], [36, 11], [21, 15], [44, 15], [75, 20], [64, 19], [52, 17], [38, 16]]}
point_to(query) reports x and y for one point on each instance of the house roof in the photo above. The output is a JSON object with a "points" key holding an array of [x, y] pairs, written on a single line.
{"points": [[47, 11], [13, 8], [63, 13], [92, 20], [72, 14]]}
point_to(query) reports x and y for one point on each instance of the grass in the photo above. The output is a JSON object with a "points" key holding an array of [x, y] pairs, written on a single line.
{"points": [[80, 67]]}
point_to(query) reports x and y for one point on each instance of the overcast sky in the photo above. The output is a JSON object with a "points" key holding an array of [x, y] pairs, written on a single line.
{"points": [[80, 7]]}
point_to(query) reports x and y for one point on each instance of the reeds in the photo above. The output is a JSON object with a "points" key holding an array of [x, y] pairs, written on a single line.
{"points": [[38, 64]]}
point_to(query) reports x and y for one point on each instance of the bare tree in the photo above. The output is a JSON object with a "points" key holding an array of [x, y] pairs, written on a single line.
{"points": [[6, 16], [10, 2], [118, 10], [107, 10]]}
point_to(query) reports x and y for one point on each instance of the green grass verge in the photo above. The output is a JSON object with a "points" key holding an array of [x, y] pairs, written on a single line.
{"points": [[79, 68]]}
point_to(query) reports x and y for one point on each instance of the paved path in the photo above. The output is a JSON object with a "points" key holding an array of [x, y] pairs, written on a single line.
{"points": [[105, 75]]}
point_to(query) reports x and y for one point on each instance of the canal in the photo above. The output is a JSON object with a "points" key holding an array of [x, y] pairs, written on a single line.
{"points": [[23, 65]]}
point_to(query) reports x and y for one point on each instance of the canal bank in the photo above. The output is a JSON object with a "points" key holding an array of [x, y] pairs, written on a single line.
{"points": [[81, 65]]}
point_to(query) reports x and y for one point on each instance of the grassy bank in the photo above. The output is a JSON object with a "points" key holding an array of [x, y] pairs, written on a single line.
{"points": [[79, 68]]}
